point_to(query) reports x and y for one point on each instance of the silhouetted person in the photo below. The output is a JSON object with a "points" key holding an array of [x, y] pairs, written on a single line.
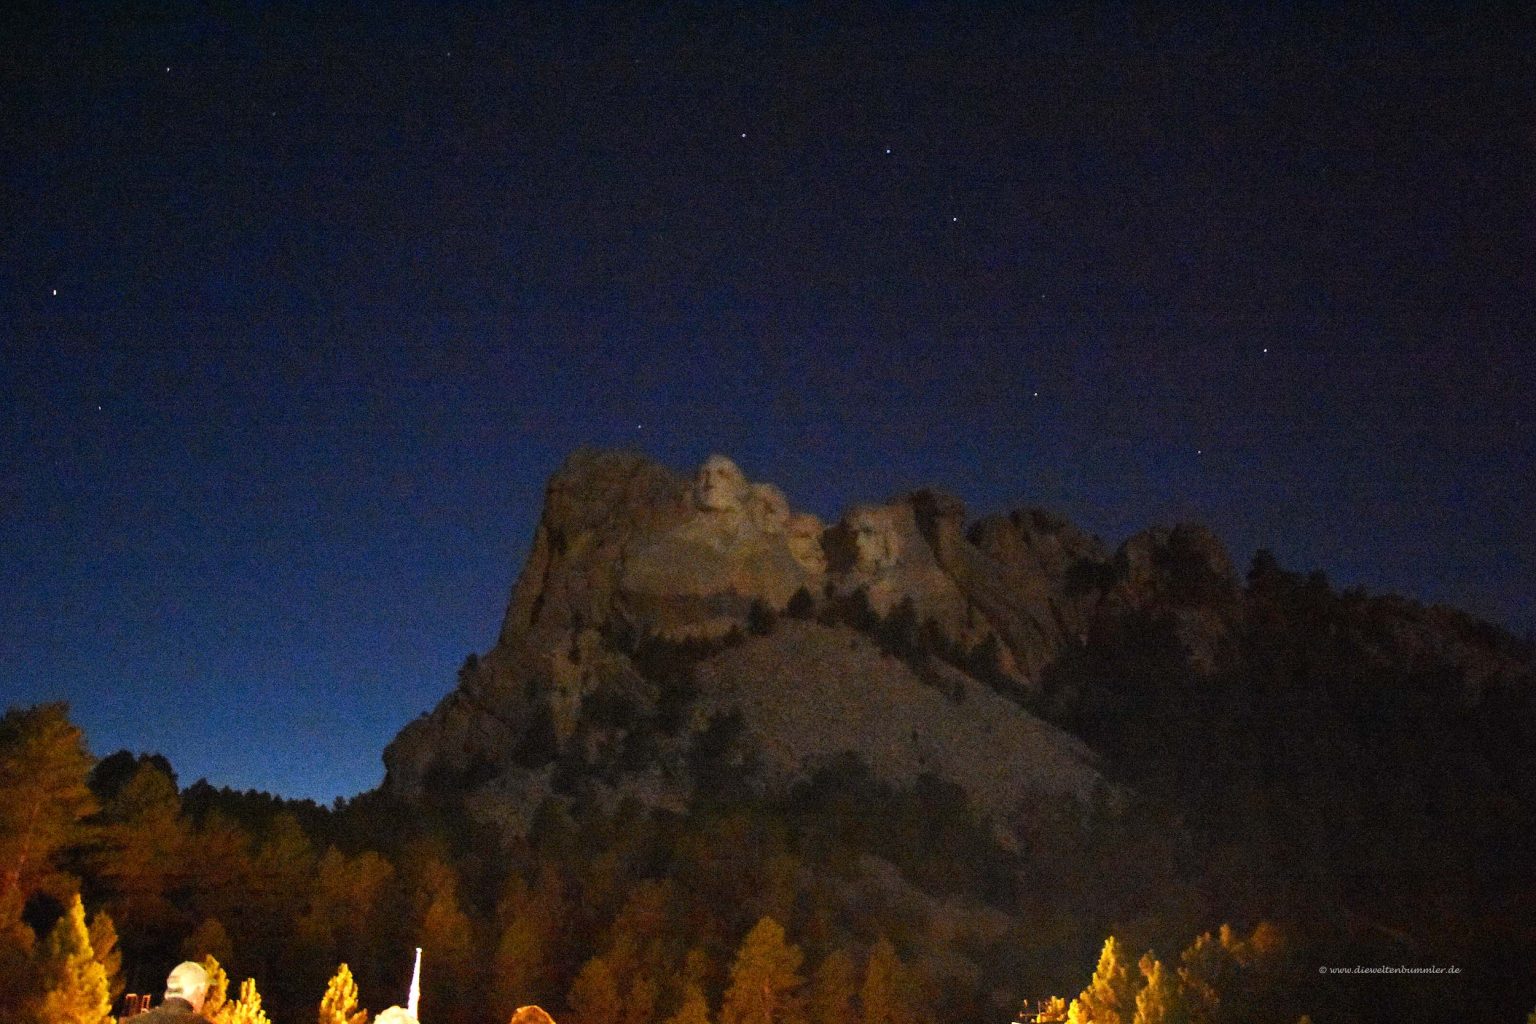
{"points": [[185, 990]]}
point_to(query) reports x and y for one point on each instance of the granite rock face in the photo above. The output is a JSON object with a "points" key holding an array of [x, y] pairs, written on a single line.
{"points": [[652, 608]]}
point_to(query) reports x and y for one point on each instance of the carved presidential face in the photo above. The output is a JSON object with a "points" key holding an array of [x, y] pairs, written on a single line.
{"points": [[874, 538], [770, 509], [719, 486], [804, 539]]}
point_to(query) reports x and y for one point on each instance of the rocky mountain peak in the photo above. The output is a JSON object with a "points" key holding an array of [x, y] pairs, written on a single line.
{"points": [[655, 603]]}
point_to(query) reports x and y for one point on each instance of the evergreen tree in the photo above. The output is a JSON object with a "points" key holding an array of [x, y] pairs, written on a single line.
{"points": [[761, 619], [886, 996], [222, 872], [216, 1005], [530, 917], [764, 983], [1205, 968], [17, 979], [639, 1007], [447, 932], [103, 935], [832, 990], [140, 860], [245, 1010], [43, 798], [210, 941], [1053, 1008], [347, 895], [1222, 976], [901, 633], [594, 995], [1110, 997], [75, 983], [339, 1004], [1159, 1001], [694, 1008], [283, 872]]}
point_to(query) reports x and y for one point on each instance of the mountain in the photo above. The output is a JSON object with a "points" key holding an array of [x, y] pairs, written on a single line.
{"points": [[656, 611], [1022, 737]]}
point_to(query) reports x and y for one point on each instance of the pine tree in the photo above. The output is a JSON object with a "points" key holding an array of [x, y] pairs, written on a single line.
{"points": [[1054, 1008], [530, 917], [1110, 997], [886, 996], [1159, 1001], [447, 932], [831, 1000], [339, 1005], [640, 1005], [216, 1005], [17, 979], [247, 1009], [75, 983], [284, 867], [764, 986], [694, 1008], [1205, 970], [103, 935], [43, 797], [594, 995], [142, 856], [1224, 976], [210, 941]]}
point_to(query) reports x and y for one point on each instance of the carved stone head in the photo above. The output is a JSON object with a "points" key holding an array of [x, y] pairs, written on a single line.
{"points": [[720, 486], [875, 540], [804, 539], [769, 508]]}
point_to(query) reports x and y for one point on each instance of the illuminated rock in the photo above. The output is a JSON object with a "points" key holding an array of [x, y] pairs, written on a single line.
{"points": [[629, 553], [720, 486], [804, 539]]}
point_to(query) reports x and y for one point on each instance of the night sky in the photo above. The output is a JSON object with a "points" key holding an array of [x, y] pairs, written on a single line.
{"points": [[299, 310]]}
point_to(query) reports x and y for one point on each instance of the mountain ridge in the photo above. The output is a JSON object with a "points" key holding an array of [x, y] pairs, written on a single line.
{"points": [[642, 583]]}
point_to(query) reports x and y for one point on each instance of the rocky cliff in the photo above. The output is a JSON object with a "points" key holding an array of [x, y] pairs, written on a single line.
{"points": [[663, 620]]}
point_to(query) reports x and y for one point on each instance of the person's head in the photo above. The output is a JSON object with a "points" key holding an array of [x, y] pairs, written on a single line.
{"points": [[188, 981], [395, 1015]]}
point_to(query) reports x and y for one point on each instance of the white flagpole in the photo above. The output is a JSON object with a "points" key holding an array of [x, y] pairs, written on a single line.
{"points": [[415, 996]]}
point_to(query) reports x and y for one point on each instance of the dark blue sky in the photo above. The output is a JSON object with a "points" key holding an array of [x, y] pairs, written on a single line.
{"points": [[336, 292]]}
